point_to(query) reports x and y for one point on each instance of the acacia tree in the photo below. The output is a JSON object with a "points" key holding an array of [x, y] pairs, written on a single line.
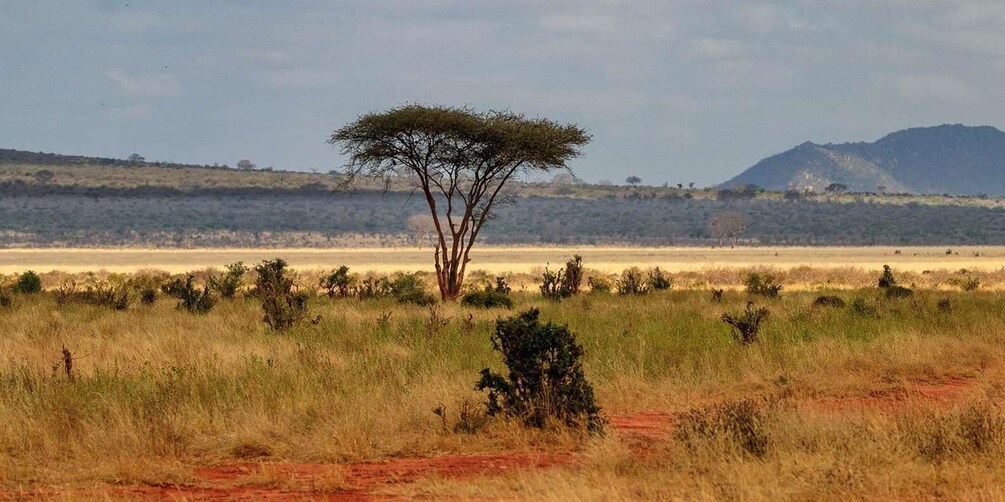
{"points": [[461, 159]]}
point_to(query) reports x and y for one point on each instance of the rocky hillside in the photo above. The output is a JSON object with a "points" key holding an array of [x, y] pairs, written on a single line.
{"points": [[952, 159]]}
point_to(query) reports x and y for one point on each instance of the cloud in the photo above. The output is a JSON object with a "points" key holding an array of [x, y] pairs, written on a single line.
{"points": [[144, 86], [932, 87]]}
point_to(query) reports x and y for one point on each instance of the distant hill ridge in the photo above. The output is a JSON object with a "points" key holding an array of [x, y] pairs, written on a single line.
{"points": [[954, 159], [10, 156]]}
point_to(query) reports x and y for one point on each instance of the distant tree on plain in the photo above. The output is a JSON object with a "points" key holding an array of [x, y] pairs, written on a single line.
{"points": [[563, 179], [728, 226], [462, 159], [422, 227], [836, 188], [136, 158], [44, 176], [246, 165], [633, 180]]}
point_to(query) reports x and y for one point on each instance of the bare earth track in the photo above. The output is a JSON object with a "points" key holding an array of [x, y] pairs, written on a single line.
{"points": [[364, 480]]}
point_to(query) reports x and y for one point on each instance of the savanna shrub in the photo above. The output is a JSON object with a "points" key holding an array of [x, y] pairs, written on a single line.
{"points": [[762, 285], [564, 283], [408, 288], [107, 295], [717, 295], [545, 379], [372, 287], [230, 282], [944, 305], [193, 300], [6, 301], [898, 292], [599, 285], [734, 425], [829, 301], [632, 282], [887, 280], [487, 299], [338, 283], [860, 306], [28, 283], [658, 281], [746, 324], [283, 307], [148, 295]]}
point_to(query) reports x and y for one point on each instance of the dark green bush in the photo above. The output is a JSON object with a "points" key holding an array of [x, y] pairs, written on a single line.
{"points": [[372, 287], [887, 280], [192, 299], [338, 283], [632, 282], [898, 292], [408, 288], [829, 301], [148, 296], [762, 285], [564, 283], [28, 283], [746, 324], [658, 281], [230, 282], [545, 379], [283, 307]]}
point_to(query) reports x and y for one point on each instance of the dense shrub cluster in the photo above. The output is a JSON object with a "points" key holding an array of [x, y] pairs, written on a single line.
{"points": [[282, 305], [28, 283], [564, 283], [229, 283], [545, 379], [490, 297], [762, 284]]}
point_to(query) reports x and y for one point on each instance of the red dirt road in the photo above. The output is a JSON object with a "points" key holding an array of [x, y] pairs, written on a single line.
{"points": [[360, 481]]}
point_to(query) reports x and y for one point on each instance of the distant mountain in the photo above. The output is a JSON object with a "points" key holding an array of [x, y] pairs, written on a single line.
{"points": [[954, 159]]}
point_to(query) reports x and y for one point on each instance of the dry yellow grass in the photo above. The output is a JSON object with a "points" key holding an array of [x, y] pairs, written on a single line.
{"points": [[512, 259]]}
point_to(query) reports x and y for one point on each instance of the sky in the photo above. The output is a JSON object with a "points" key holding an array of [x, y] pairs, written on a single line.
{"points": [[672, 91]]}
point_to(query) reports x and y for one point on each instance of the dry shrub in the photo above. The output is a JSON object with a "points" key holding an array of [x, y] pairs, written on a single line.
{"points": [[734, 426]]}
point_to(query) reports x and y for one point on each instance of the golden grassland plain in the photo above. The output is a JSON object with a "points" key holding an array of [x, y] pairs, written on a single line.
{"points": [[499, 260], [880, 399]]}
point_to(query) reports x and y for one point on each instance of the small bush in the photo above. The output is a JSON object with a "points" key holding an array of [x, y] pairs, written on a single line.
{"points": [[969, 283], [887, 280], [28, 283], [746, 324], [373, 287], [599, 285], [944, 305], [6, 300], [338, 283], [658, 281], [632, 282], [114, 297], [487, 299], [148, 296], [283, 307], [230, 282], [860, 306], [408, 288], [734, 425], [898, 292], [564, 283], [192, 300], [717, 295], [829, 301], [975, 430], [545, 377], [762, 285]]}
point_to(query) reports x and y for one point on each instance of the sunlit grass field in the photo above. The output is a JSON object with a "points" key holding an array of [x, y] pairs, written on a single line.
{"points": [[852, 397], [496, 260]]}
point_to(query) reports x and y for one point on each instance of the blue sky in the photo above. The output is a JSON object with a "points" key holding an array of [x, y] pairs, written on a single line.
{"points": [[672, 91]]}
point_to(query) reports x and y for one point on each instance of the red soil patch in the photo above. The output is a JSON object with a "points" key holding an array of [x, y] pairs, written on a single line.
{"points": [[899, 399]]}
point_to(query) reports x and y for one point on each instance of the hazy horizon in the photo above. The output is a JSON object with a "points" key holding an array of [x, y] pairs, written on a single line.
{"points": [[675, 91]]}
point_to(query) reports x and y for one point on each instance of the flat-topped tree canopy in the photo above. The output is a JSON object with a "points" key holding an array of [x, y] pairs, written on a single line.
{"points": [[461, 159]]}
